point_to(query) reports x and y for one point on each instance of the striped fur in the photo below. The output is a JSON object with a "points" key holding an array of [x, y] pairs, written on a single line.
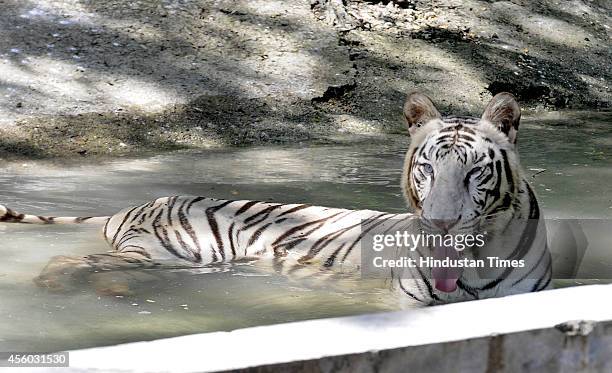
{"points": [[9, 216], [473, 178]]}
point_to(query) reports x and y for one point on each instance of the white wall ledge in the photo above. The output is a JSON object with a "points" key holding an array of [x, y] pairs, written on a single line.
{"points": [[346, 341]]}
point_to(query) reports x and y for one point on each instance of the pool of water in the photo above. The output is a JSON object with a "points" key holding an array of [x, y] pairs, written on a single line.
{"points": [[568, 154]]}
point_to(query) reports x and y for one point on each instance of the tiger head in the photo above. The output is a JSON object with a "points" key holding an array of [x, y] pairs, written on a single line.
{"points": [[462, 176], [459, 172]]}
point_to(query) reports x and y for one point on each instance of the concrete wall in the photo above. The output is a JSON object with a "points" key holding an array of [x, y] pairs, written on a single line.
{"points": [[569, 347]]}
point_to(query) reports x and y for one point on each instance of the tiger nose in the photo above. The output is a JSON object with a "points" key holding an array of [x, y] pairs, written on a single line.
{"points": [[445, 224]]}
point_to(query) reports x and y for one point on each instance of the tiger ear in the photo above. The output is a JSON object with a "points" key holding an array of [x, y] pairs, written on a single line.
{"points": [[504, 113], [418, 110]]}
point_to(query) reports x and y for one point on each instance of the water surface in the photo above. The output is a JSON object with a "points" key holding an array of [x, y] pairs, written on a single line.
{"points": [[569, 157]]}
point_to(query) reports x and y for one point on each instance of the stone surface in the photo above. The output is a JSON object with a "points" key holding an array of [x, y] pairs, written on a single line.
{"points": [[83, 77]]}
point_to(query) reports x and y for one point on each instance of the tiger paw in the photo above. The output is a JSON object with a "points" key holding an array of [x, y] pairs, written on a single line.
{"points": [[110, 284], [60, 273], [113, 289]]}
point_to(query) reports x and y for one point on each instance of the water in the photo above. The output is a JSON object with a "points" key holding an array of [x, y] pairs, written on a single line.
{"points": [[574, 151]]}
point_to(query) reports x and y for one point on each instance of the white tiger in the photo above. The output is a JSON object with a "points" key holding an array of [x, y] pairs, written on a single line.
{"points": [[460, 175]]}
